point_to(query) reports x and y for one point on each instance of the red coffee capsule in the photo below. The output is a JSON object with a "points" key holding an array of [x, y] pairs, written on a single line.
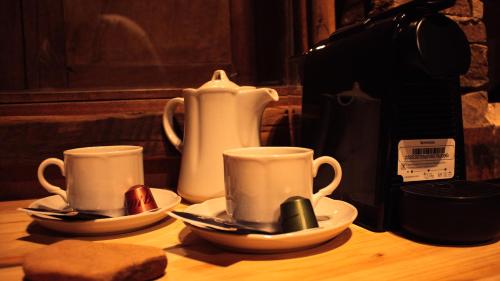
{"points": [[139, 199]]}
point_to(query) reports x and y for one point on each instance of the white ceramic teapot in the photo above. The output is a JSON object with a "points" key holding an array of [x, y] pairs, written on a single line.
{"points": [[218, 115]]}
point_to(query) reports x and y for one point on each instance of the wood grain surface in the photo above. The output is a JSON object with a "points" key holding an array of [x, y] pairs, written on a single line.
{"points": [[356, 254]]}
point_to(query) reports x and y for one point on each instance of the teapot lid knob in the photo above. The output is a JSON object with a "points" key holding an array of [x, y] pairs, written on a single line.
{"points": [[219, 81], [219, 75]]}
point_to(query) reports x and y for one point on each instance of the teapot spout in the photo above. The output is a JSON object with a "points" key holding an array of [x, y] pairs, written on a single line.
{"points": [[252, 103], [257, 98], [269, 94]]}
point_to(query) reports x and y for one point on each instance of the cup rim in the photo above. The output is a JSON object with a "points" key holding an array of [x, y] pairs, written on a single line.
{"points": [[108, 150], [258, 152]]}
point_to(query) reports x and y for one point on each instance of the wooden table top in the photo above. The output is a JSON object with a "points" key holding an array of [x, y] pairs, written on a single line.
{"points": [[356, 254]]}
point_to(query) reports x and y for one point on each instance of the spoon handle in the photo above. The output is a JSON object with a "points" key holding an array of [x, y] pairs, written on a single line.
{"points": [[215, 223], [69, 214]]}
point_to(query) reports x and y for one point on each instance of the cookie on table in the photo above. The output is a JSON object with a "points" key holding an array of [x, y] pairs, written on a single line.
{"points": [[76, 260]]}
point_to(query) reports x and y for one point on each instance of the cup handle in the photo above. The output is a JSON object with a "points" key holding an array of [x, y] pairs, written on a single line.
{"points": [[168, 122], [327, 190], [50, 187]]}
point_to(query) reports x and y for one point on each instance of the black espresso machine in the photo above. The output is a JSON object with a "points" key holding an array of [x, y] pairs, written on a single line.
{"points": [[383, 98]]}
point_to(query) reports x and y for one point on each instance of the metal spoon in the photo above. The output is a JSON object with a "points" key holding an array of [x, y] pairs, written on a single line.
{"points": [[66, 214], [217, 223]]}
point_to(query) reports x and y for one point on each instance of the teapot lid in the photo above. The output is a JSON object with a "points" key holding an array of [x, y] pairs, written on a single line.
{"points": [[219, 80]]}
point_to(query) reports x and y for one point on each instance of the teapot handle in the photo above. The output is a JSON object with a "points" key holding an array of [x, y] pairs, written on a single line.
{"points": [[168, 122]]}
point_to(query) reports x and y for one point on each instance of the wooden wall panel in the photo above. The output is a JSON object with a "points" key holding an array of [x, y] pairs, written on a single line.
{"points": [[99, 44], [145, 43], [44, 44], [11, 46], [24, 97], [100, 72], [322, 19], [26, 142], [271, 41], [243, 40], [43, 128]]}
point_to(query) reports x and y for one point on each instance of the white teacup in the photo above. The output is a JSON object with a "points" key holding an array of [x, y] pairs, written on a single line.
{"points": [[259, 179], [97, 177]]}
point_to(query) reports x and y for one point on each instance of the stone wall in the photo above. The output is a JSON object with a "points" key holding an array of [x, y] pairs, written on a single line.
{"points": [[481, 119]]}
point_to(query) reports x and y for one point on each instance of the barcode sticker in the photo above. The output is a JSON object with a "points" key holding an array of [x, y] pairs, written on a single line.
{"points": [[426, 159]]}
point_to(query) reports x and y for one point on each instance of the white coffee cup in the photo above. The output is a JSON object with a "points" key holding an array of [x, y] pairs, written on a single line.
{"points": [[97, 177], [259, 179]]}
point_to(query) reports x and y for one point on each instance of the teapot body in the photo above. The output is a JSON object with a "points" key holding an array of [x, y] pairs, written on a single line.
{"points": [[211, 126], [215, 119]]}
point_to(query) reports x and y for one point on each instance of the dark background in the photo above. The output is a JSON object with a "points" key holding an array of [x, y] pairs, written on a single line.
{"points": [[79, 73]]}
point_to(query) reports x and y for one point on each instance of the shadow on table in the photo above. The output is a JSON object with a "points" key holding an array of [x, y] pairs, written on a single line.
{"points": [[41, 235], [196, 248]]}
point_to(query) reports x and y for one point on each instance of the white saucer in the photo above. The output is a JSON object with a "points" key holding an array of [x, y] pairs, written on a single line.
{"points": [[334, 217], [165, 199]]}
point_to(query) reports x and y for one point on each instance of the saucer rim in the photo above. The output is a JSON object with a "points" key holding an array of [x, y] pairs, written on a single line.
{"points": [[109, 225], [279, 235], [271, 242], [124, 217]]}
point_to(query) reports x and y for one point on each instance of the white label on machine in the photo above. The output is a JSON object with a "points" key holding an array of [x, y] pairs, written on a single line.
{"points": [[426, 159]]}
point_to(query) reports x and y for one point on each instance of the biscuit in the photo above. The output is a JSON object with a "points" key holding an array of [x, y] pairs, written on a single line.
{"points": [[76, 260]]}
